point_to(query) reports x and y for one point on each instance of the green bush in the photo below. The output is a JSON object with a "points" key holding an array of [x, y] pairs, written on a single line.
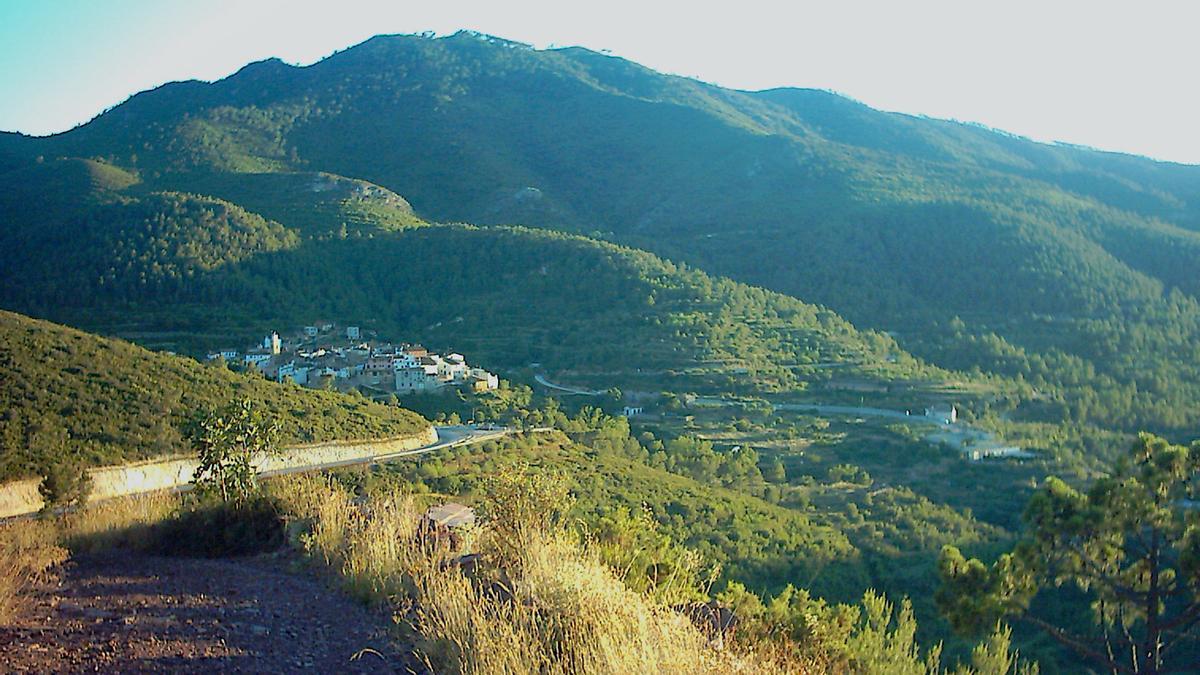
{"points": [[213, 529], [64, 483]]}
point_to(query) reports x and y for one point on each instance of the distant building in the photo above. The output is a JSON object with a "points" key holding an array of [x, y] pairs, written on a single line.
{"points": [[378, 366], [421, 377], [999, 452], [285, 371], [353, 333], [482, 380], [272, 343], [942, 413], [300, 375], [257, 357], [632, 411], [311, 331], [452, 370]]}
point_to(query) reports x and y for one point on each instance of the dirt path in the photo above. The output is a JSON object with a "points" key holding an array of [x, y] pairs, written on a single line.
{"points": [[129, 613]]}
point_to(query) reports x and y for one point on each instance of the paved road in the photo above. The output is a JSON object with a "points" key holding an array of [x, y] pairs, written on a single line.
{"points": [[448, 437], [541, 379], [832, 410], [855, 410], [961, 436]]}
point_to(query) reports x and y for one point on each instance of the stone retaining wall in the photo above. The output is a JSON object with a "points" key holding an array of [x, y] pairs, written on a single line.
{"points": [[21, 497]]}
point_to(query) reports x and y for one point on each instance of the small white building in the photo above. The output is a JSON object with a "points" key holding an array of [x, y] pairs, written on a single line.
{"points": [[285, 371], [632, 411], [256, 358], [452, 371], [417, 378], [482, 379], [353, 333], [404, 360], [311, 331], [942, 413]]}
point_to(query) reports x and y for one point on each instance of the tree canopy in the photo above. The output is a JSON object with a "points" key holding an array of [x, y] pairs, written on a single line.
{"points": [[1131, 543]]}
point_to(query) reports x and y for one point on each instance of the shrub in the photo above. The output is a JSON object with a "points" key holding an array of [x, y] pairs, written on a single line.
{"points": [[211, 529], [227, 442], [64, 483], [126, 522]]}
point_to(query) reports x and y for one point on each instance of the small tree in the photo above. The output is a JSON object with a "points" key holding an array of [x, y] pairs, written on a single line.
{"points": [[227, 441], [64, 483], [1132, 543]]}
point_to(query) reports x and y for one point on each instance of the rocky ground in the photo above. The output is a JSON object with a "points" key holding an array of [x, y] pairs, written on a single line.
{"points": [[124, 612]]}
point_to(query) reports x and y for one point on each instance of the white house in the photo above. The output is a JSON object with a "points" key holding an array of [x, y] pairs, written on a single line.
{"points": [[632, 411], [418, 378], [353, 333], [942, 413], [404, 360], [451, 371], [285, 371], [483, 379], [311, 331], [256, 358]]}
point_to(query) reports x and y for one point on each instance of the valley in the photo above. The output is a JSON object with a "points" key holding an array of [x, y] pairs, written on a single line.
{"points": [[773, 351]]}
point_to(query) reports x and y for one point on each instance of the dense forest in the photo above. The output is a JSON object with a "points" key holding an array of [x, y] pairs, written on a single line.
{"points": [[150, 260], [1066, 267]]}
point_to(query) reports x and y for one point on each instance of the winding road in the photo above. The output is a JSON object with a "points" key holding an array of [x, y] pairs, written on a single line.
{"points": [[450, 436], [541, 379], [21, 498], [962, 437]]}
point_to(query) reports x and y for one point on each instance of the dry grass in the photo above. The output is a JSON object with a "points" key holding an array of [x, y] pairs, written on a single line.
{"points": [[117, 523], [28, 549], [373, 545], [539, 602], [568, 613], [552, 608]]}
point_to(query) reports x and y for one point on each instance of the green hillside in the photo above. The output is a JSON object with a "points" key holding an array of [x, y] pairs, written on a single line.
{"points": [[103, 401], [146, 261], [1069, 268], [82, 237]]}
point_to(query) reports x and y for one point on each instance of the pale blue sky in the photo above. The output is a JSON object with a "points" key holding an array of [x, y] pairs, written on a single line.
{"points": [[1114, 75]]}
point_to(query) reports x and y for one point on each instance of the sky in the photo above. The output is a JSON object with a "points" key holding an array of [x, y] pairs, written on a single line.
{"points": [[1112, 75]]}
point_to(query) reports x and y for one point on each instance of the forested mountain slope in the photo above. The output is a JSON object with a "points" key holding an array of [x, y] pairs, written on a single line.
{"points": [[69, 394], [347, 250], [1066, 267]]}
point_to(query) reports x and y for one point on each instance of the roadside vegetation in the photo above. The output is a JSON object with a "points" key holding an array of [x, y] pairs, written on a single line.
{"points": [[72, 400], [524, 592]]}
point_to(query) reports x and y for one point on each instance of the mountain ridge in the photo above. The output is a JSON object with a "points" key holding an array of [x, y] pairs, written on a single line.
{"points": [[900, 224]]}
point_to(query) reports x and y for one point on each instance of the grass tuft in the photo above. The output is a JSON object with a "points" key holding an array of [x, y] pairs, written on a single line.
{"points": [[28, 549]]}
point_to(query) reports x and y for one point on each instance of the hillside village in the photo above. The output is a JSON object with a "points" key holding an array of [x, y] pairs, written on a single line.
{"points": [[327, 356]]}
